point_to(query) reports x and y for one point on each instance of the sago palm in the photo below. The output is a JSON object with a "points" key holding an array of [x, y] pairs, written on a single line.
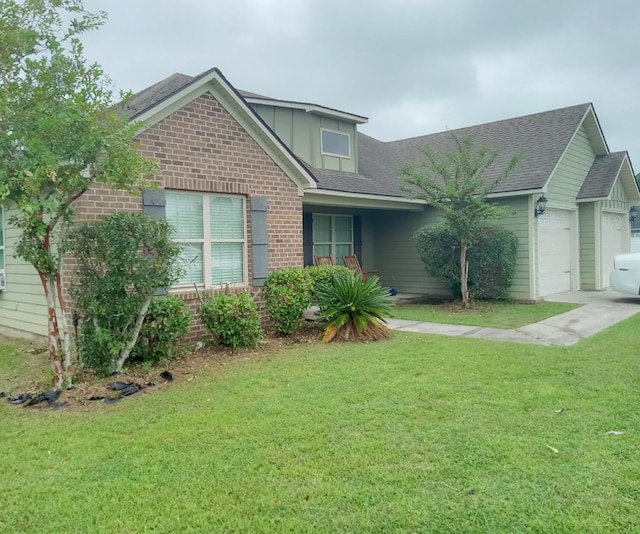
{"points": [[354, 309]]}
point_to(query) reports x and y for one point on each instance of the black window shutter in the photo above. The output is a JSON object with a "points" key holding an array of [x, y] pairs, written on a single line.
{"points": [[259, 240], [154, 205]]}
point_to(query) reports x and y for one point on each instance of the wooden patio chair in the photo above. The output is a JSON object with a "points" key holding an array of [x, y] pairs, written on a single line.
{"points": [[352, 263], [323, 260]]}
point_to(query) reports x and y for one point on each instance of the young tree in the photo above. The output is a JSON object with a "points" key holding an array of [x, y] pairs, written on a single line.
{"points": [[58, 136], [457, 183]]}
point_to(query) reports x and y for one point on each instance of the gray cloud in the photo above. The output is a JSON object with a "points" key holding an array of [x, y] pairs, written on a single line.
{"points": [[411, 66]]}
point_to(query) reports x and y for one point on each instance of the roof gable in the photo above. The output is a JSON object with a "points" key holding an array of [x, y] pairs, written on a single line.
{"points": [[602, 177], [160, 100]]}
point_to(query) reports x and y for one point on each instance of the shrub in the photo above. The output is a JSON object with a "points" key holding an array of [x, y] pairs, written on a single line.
{"points": [[233, 320], [492, 259], [287, 295], [322, 275], [354, 309], [167, 322], [122, 260]]}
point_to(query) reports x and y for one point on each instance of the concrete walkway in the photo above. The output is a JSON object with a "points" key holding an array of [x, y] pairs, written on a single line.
{"points": [[601, 309]]}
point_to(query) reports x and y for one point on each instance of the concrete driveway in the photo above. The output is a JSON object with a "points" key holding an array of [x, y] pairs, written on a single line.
{"points": [[601, 309]]}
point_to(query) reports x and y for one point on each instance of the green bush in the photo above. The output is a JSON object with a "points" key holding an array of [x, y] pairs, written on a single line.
{"points": [[287, 295], [121, 260], [354, 309], [322, 275], [492, 259], [167, 322], [233, 320]]}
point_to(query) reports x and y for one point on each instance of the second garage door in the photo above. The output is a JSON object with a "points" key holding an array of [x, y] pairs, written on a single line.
{"points": [[611, 242], [554, 252]]}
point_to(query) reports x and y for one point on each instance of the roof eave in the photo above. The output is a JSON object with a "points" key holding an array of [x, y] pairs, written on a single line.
{"points": [[308, 108], [362, 200]]}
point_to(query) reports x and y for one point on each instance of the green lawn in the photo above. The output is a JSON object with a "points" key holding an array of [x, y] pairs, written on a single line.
{"points": [[416, 434], [482, 313]]}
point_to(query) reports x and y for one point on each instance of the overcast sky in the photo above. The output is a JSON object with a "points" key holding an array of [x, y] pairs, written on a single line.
{"points": [[412, 66]]}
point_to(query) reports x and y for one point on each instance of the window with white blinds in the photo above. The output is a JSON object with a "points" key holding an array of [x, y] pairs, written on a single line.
{"points": [[212, 231]]}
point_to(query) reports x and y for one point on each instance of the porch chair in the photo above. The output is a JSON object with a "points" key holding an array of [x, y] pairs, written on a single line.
{"points": [[352, 263], [323, 260]]}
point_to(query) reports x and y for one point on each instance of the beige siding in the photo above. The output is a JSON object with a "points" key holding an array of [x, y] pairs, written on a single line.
{"points": [[566, 181], [587, 230], [23, 307]]}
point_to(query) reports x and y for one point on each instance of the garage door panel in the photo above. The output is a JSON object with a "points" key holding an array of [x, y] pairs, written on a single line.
{"points": [[612, 234], [554, 252]]}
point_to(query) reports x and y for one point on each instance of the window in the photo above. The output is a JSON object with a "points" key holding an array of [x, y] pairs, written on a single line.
{"points": [[333, 236], [336, 144], [211, 230]]}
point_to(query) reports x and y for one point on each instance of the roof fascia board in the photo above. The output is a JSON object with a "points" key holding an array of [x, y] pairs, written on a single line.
{"points": [[222, 90], [625, 173], [594, 199], [359, 200], [309, 108], [516, 193]]}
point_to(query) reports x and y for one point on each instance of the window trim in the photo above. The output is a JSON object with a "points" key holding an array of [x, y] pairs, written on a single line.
{"points": [[207, 241], [327, 153], [333, 242]]}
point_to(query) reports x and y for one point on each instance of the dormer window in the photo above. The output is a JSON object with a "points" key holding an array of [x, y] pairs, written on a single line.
{"points": [[336, 144]]}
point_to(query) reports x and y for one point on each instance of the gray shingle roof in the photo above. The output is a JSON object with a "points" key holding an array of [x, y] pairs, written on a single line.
{"points": [[602, 176], [149, 97], [540, 140]]}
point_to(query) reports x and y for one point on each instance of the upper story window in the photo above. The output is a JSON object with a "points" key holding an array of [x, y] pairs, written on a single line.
{"points": [[212, 232], [336, 144]]}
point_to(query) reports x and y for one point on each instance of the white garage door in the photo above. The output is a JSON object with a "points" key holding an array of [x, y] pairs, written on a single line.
{"points": [[554, 252], [612, 232]]}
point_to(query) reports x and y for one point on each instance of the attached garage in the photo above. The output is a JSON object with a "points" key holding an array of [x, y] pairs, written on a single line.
{"points": [[555, 238], [613, 230]]}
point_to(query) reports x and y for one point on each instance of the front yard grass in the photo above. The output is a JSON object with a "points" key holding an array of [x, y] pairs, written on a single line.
{"points": [[416, 434], [495, 314]]}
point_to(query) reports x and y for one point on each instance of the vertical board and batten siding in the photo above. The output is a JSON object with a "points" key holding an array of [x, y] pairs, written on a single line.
{"points": [[300, 131], [518, 221], [396, 258], [566, 181], [587, 230], [23, 308], [618, 200]]}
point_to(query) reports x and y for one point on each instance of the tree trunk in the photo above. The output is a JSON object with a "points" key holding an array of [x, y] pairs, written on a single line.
{"points": [[124, 354], [464, 275], [54, 333], [66, 339]]}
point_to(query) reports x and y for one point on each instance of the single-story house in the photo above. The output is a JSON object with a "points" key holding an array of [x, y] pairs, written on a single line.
{"points": [[254, 184]]}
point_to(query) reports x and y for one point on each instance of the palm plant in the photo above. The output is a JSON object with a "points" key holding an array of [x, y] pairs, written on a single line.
{"points": [[354, 309]]}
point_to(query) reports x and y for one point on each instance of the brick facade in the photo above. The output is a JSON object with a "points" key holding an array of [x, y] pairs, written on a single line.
{"points": [[201, 147]]}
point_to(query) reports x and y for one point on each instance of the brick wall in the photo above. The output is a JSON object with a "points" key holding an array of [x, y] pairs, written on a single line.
{"points": [[202, 148]]}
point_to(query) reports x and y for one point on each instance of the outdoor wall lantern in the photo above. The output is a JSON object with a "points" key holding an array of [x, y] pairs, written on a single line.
{"points": [[541, 205], [633, 214]]}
